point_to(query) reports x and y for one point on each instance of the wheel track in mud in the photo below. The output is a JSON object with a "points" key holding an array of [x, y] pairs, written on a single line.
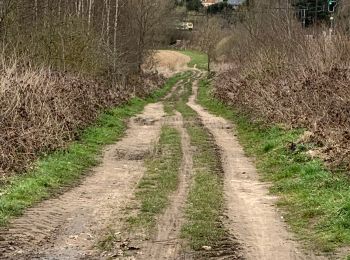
{"points": [[166, 243]]}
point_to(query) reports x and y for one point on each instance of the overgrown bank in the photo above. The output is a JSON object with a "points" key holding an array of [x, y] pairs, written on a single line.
{"points": [[315, 201], [64, 62], [284, 73], [42, 111], [313, 99], [63, 167]]}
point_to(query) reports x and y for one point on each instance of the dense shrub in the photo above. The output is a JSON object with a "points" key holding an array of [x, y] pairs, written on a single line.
{"points": [[85, 56], [286, 74], [41, 110]]}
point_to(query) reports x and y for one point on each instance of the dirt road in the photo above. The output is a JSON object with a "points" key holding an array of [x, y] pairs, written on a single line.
{"points": [[70, 226], [166, 243], [253, 216]]}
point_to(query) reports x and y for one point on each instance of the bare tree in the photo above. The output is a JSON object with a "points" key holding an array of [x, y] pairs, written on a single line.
{"points": [[66, 34], [208, 36]]}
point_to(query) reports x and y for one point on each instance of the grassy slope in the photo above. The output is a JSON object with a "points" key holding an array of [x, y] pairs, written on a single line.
{"points": [[62, 168], [316, 202], [198, 59]]}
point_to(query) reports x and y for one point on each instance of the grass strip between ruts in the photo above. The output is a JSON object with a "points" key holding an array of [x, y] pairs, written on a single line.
{"points": [[205, 202], [160, 180]]}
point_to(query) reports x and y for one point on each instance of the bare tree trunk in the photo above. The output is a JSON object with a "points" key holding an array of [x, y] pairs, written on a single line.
{"points": [[91, 3], [209, 60], [82, 8], [36, 9], [79, 8], [108, 12], [115, 26]]}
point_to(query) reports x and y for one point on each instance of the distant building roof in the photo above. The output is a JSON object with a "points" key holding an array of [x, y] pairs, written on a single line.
{"points": [[211, 2], [235, 2]]}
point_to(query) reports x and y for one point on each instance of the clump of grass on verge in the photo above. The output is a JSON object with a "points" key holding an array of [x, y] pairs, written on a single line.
{"points": [[64, 167], [160, 179], [198, 59], [316, 202], [107, 243]]}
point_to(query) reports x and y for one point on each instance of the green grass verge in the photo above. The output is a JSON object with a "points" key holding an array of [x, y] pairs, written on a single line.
{"points": [[198, 59], [161, 179], [63, 168], [316, 202]]}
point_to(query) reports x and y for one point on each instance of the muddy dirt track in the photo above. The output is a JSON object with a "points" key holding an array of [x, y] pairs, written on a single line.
{"points": [[69, 226]]}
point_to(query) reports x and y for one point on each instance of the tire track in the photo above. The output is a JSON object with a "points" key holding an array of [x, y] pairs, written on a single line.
{"points": [[167, 244], [68, 227], [253, 217]]}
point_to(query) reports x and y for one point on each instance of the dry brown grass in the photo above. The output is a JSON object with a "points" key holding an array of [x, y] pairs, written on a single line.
{"points": [[284, 76], [167, 62]]}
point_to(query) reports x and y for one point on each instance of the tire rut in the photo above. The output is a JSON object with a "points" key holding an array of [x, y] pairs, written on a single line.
{"points": [[173, 90], [251, 211], [68, 227], [166, 244]]}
